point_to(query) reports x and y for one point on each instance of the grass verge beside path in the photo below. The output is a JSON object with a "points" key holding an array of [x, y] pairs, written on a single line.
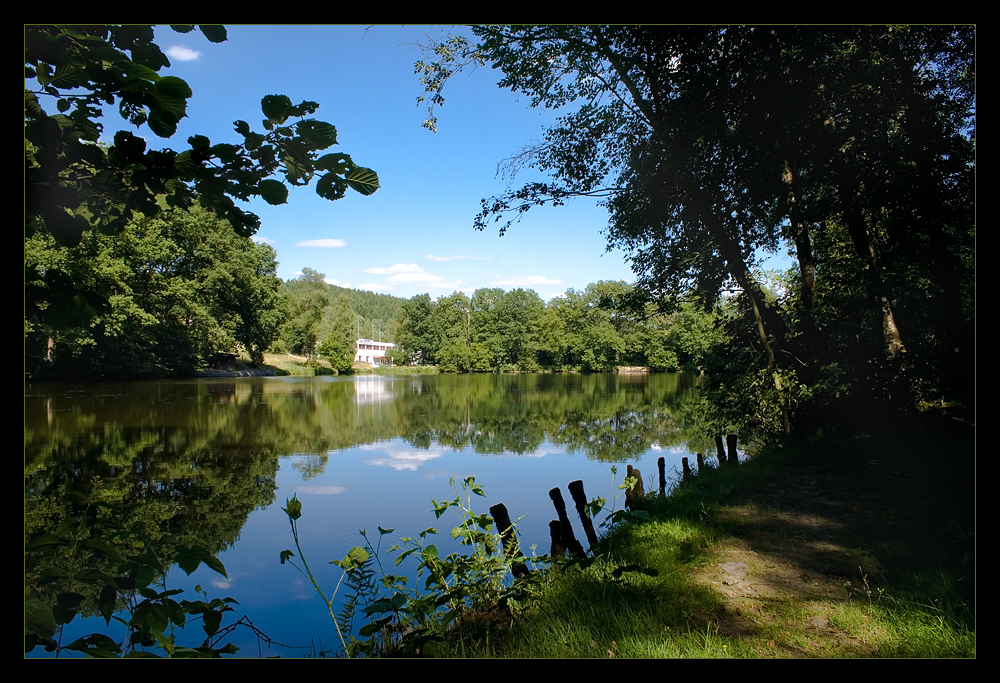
{"points": [[842, 547]]}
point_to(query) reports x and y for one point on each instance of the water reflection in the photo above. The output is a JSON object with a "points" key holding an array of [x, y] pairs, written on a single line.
{"points": [[201, 462]]}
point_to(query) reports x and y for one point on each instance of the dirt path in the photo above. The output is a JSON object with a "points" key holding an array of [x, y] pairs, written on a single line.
{"points": [[790, 559]]}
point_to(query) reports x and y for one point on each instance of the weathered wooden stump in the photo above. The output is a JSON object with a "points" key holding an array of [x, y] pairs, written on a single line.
{"points": [[733, 458], [557, 548], [568, 537], [580, 500], [685, 469], [507, 535], [720, 449], [701, 461], [634, 495], [661, 466]]}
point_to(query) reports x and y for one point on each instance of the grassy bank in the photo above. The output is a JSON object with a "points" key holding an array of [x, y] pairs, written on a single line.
{"points": [[839, 547], [300, 366]]}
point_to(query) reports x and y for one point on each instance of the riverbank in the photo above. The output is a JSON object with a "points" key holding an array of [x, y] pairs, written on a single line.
{"points": [[839, 547]]}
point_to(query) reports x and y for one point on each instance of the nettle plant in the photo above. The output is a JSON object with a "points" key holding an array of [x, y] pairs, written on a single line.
{"points": [[456, 595], [456, 599]]}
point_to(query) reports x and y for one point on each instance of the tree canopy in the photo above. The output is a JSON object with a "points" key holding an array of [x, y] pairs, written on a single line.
{"points": [[708, 145], [73, 184]]}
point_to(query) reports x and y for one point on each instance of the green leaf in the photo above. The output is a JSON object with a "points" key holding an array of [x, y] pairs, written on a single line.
{"points": [[38, 617], [44, 540], [242, 127], [316, 134], [104, 548], [174, 87], [336, 163], [383, 532], [215, 564], [50, 574], [329, 186], [199, 143], [275, 108], [214, 32], [182, 28], [286, 554], [363, 180], [293, 507], [273, 192]]}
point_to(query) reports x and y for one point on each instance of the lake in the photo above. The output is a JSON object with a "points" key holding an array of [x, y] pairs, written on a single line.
{"points": [[211, 462]]}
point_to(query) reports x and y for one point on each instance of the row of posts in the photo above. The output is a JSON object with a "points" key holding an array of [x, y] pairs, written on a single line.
{"points": [[561, 531]]}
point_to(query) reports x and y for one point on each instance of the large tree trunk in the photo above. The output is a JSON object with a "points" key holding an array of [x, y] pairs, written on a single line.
{"points": [[800, 235], [858, 230]]}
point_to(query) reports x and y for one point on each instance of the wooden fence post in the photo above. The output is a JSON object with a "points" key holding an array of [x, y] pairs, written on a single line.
{"points": [[685, 469], [701, 462], [568, 537], [636, 493], [661, 466], [510, 549], [580, 499], [557, 548]]}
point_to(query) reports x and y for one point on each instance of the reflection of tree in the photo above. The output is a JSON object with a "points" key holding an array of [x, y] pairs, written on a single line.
{"points": [[185, 463]]}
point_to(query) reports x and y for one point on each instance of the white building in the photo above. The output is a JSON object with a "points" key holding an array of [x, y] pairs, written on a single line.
{"points": [[370, 351]]}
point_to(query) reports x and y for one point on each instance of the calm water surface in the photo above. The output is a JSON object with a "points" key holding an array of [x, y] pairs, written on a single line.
{"points": [[211, 462]]}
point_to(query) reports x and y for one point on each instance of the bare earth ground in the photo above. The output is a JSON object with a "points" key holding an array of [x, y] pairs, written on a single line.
{"points": [[792, 556]]}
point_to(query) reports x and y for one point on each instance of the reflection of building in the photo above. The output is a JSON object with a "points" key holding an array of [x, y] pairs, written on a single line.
{"points": [[368, 351], [369, 390]]}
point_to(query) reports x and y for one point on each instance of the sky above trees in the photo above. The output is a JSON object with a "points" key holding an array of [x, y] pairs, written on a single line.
{"points": [[415, 234]]}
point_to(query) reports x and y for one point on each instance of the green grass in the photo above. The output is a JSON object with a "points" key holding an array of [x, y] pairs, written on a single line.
{"points": [[857, 547], [287, 364]]}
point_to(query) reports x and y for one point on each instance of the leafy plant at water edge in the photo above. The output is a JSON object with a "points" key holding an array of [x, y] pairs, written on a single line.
{"points": [[152, 615]]}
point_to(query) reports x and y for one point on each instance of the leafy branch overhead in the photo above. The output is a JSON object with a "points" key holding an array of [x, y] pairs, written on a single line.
{"points": [[74, 184]]}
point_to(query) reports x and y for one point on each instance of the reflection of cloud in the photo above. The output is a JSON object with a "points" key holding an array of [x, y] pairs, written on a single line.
{"points": [[523, 280], [656, 446], [221, 584], [325, 243], [182, 53], [321, 490], [403, 458]]}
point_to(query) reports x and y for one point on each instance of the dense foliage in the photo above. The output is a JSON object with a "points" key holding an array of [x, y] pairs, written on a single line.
{"points": [[74, 185], [853, 146], [178, 288], [604, 326]]}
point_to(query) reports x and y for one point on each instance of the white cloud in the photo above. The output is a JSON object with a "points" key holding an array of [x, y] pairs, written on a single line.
{"points": [[409, 274], [325, 243], [523, 280], [262, 239], [182, 53], [331, 281], [375, 287], [398, 268], [432, 257], [422, 277]]}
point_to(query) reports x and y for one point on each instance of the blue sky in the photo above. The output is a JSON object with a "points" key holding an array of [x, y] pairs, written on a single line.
{"points": [[415, 234]]}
